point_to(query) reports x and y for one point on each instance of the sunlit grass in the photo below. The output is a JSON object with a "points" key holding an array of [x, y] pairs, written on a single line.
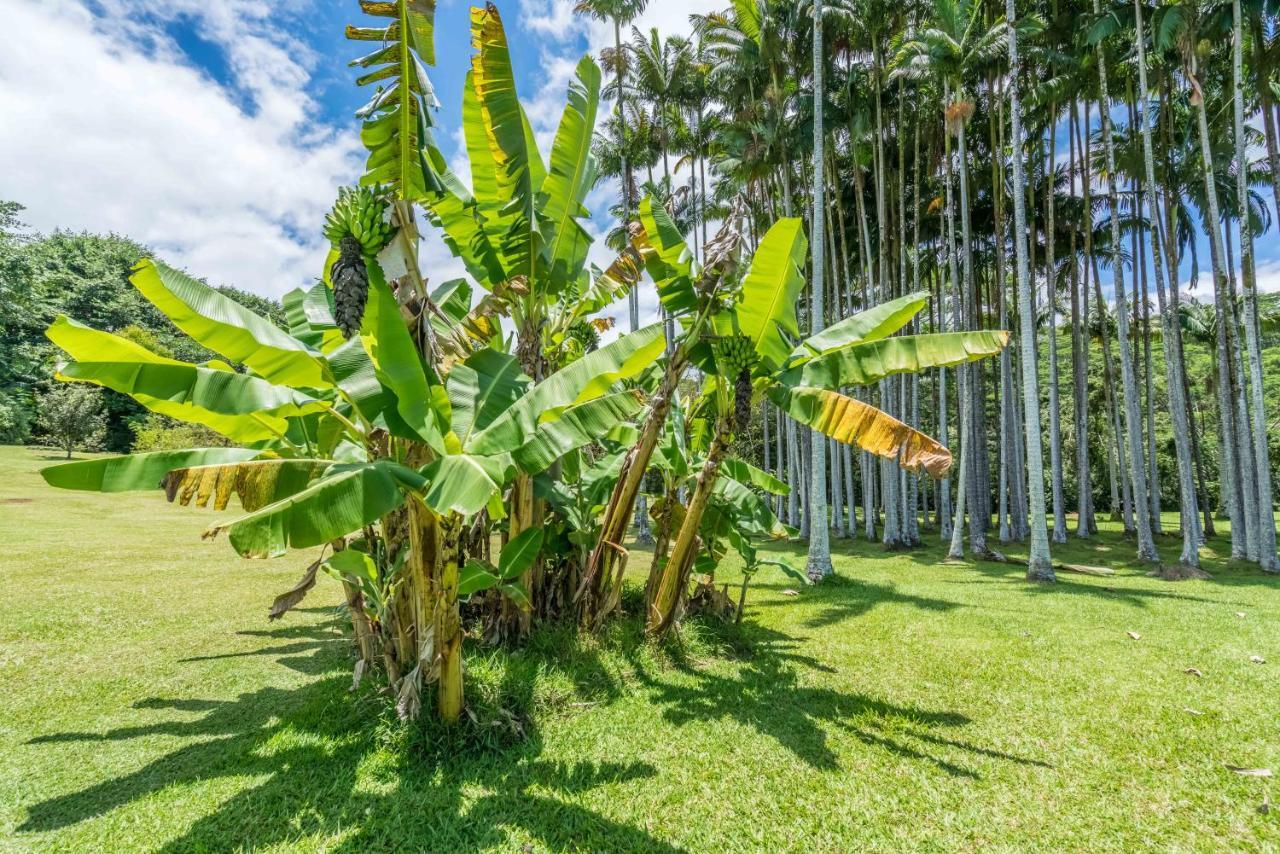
{"points": [[149, 704]]}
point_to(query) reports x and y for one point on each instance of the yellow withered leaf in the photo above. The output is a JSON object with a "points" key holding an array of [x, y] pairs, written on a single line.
{"points": [[256, 483]]}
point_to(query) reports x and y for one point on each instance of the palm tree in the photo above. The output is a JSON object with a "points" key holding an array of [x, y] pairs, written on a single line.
{"points": [[1132, 417], [953, 48], [1266, 537], [819, 565], [1174, 363], [1039, 562]]}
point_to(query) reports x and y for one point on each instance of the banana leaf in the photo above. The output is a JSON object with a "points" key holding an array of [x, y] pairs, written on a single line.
{"points": [[872, 361], [229, 329], [136, 471], [853, 422], [766, 313], [345, 500]]}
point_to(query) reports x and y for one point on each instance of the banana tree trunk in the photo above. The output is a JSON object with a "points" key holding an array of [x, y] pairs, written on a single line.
{"points": [[675, 574], [601, 587]]}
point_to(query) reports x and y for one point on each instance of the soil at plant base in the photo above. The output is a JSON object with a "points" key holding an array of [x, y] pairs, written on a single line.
{"points": [[1179, 572]]}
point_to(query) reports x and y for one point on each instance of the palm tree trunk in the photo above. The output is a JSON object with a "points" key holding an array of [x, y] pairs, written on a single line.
{"points": [[1039, 563], [1174, 364], [819, 563], [1132, 417], [1234, 493], [1266, 529]]}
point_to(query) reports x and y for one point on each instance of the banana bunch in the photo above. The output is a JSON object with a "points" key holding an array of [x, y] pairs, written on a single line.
{"points": [[359, 212], [734, 354], [735, 357]]}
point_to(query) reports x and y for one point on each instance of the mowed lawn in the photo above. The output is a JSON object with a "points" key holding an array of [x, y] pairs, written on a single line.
{"points": [[147, 703]]}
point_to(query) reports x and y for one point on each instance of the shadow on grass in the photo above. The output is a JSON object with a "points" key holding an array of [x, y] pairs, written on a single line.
{"points": [[841, 597], [320, 763], [331, 765], [767, 695]]}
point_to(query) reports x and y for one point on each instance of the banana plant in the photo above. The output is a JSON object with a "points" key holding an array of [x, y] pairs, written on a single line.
{"points": [[751, 350], [518, 228], [359, 445]]}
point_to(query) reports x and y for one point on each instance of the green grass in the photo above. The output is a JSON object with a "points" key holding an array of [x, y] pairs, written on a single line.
{"points": [[148, 704]]}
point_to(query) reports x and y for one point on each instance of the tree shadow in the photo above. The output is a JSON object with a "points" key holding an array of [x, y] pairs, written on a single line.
{"points": [[842, 597], [324, 763], [767, 695]]}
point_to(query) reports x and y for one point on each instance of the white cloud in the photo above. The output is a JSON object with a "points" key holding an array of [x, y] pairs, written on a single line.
{"points": [[231, 183]]}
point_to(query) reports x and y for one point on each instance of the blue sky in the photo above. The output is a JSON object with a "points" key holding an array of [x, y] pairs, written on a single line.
{"points": [[216, 131]]}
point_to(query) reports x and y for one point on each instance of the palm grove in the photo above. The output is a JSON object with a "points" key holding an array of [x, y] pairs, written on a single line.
{"points": [[1004, 159], [832, 272]]}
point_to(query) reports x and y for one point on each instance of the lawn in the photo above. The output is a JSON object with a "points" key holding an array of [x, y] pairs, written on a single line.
{"points": [[149, 704]]}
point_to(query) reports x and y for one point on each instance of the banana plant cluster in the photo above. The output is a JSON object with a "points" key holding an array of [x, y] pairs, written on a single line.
{"points": [[742, 334], [400, 442]]}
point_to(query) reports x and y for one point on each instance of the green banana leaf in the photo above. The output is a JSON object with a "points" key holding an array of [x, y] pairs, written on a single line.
{"points": [[578, 426], [766, 313], [572, 173], [506, 130], [228, 328], [518, 555], [402, 152], [743, 471], [667, 257], [754, 515], [464, 484], [345, 500], [585, 379], [420, 400], [136, 471], [481, 389], [872, 361], [879, 322], [242, 407]]}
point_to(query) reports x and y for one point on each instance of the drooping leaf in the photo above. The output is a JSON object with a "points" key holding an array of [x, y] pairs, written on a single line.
{"points": [[290, 599], [345, 500], [461, 483], [136, 471], [518, 555], [229, 329], [878, 322], [853, 422], [766, 312], [242, 407], [256, 483], [872, 361], [577, 426], [585, 379]]}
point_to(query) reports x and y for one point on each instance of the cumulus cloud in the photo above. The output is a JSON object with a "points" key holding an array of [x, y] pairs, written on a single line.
{"points": [[119, 130]]}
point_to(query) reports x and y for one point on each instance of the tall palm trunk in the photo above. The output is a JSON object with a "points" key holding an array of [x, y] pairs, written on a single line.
{"points": [[1266, 528], [1132, 417], [1172, 342], [1051, 292], [1235, 492], [1039, 563], [819, 565]]}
